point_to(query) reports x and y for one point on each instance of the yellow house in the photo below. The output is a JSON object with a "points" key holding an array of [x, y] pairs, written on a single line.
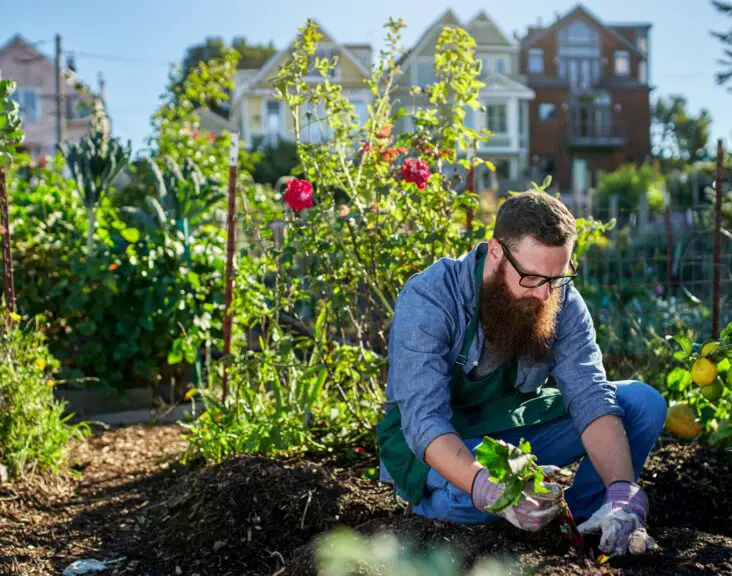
{"points": [[262, 120]]}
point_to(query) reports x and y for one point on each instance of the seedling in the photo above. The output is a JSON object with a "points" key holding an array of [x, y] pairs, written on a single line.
{"points": [[515, 466]]}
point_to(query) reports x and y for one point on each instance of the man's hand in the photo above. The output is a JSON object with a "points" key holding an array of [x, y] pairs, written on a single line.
{"points": [[622, 520], [532, 513]]}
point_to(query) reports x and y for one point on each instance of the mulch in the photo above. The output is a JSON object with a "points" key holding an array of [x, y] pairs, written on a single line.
{"points": [[251, 515]]}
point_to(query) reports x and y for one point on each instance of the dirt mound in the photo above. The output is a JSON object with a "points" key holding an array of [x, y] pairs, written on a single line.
{"points": [[248, 514], [690, 485]]}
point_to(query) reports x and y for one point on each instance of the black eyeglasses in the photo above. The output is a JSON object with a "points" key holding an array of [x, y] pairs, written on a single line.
{"points": [[536, 280]]}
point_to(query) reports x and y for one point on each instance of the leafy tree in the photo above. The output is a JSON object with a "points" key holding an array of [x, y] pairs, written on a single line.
{"points": [[722, 77], [680, 137], [251, 56], [275, 161]]}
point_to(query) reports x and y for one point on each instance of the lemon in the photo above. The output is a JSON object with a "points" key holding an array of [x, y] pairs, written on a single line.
{"points": [[682, 422], [709, 347], [703, 372], [713, 392]]}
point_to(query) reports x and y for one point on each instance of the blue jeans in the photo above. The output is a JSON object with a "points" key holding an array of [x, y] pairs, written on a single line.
{"points": [[559, 444]]}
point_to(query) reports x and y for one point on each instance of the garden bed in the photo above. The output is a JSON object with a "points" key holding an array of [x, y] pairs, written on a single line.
{"points": [[260, 516]]}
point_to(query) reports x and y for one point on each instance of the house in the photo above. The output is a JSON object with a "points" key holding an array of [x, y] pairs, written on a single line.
{"points": [[35, 76], [504, 98], [263, 120], [592, 111]]}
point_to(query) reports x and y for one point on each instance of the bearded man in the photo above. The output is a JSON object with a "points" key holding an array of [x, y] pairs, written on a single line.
{"points": [[499, 342]]}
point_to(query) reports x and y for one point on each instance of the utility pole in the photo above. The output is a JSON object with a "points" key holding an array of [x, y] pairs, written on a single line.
{"points": [[59, 95]]}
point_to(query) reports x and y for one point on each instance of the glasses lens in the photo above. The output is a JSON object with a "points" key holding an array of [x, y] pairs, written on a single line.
{"points": [[532, 281], [559, 282]]}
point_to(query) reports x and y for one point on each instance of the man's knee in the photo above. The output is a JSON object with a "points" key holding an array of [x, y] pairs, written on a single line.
{"points": [[643, 403]]}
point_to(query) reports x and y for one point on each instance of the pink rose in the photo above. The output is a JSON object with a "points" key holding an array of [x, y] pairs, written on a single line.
{"points": [[299, 194]]}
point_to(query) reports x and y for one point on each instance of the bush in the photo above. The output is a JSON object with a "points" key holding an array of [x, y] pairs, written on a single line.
{"points": [[34, 433]]}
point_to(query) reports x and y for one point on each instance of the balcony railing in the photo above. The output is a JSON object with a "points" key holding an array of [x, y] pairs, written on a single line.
{"points": [[595, 127]]}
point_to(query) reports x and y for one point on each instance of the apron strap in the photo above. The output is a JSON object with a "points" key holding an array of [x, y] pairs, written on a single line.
{"points": [[473, 326]]}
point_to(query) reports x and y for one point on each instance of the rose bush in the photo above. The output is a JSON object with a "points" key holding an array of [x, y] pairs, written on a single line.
{"points": [[317, 283]]}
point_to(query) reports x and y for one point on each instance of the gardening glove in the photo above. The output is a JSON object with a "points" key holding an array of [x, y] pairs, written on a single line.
{"points": [[622, 520], [533, 511]]}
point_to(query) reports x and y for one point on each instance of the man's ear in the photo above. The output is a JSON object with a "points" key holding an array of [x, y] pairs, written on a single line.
{"points": [[494, 250]]}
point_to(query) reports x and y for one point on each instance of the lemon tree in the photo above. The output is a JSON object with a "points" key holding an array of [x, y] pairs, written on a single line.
{"points": [[699, 390]]}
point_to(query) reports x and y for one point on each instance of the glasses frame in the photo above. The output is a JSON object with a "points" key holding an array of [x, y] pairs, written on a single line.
{"points": [[564, 279]]}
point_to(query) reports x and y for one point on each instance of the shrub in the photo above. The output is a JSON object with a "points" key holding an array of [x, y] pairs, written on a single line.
{"points": [[34, 433]]}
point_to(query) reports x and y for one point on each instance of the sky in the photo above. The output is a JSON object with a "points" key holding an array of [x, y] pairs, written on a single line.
{"points": [[133, 42]]}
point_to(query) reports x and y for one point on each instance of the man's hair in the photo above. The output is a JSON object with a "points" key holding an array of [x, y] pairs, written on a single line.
{"points": [[535, 214]]}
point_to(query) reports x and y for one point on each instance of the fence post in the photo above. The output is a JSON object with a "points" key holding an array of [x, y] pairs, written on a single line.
{"points": [[669, 251], [7, 254], [717, 240]]}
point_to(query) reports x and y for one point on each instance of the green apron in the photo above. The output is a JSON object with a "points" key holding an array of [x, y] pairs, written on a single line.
{"points": [[485, 406]]}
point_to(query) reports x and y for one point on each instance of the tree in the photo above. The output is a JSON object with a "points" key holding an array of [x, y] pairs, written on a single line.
{"points": [[726, 38], [679, 137], [251, 56]]}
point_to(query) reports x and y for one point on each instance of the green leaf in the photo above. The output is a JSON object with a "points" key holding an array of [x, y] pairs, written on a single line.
{"points": [[132, 235], [678, 379], [686, 347]]}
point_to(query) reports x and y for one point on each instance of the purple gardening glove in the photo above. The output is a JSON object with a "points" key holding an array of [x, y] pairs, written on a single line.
{"points": [[532, 513], [622, 520]]}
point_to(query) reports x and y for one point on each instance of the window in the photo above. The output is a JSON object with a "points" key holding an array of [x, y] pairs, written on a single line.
{"points": [[579, 32], [29, 103], [76, 109], [502, 66], [547, 111], [272, 123], [496, 118], [536, 61], [622, 63], [361, 110], [322, 54], [426, 73], [643, 72]]}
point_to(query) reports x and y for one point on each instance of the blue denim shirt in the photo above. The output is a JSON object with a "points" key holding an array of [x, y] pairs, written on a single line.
{"points": [[430, 320]]}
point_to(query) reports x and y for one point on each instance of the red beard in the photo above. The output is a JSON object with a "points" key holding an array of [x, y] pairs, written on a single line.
{"points": [[517, 327]]}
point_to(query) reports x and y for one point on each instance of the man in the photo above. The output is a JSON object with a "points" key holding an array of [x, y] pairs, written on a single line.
{"points": [[471, 346]]}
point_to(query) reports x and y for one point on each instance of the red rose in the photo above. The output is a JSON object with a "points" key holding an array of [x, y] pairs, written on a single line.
{"points": [[42, 162], [299, 194], [416, 171], [195, 134], [212, 137]]}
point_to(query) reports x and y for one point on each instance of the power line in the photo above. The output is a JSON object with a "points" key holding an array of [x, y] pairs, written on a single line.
{"points": [[116, 58]]}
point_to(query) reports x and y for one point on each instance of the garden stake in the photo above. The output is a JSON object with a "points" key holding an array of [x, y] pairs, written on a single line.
{"points": [[7, 256], [233, 155]]}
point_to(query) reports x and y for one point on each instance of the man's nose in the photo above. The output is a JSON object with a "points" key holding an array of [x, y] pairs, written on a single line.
{"points": [[542, 292]]}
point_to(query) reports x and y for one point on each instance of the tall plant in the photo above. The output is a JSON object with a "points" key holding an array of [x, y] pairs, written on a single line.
{"points": [[95, 162], [11, 136]]}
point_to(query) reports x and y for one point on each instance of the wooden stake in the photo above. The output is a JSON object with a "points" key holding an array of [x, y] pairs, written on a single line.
{"points": [[717, 240], [230, 245], [7, 255]]}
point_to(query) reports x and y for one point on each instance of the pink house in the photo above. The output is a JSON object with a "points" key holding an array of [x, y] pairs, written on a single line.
{"points": [[35, 76]]}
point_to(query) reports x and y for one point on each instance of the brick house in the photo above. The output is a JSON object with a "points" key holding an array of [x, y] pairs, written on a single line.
{"points": [[592, 107]]}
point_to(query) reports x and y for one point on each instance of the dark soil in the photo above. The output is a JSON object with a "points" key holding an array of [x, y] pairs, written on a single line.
{"points": [[259, 516]]}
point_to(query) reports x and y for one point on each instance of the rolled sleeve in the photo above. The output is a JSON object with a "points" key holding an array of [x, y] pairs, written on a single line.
{"points": [[419, 369], [578, 368]]}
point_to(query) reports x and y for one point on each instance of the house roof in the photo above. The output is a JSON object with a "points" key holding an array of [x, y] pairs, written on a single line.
{"points": [[19, 40], [345, 51], [537, 33], [482, 15], [447, 18]]}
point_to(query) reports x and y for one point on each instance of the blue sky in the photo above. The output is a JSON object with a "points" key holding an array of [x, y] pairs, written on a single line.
{"points": [[132, 41]]}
